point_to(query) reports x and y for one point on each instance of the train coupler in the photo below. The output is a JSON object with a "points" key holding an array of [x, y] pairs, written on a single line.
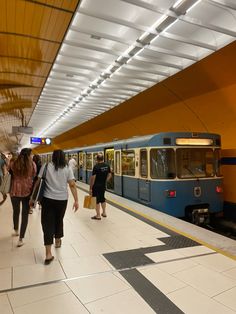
{"points": [[201, 216]]}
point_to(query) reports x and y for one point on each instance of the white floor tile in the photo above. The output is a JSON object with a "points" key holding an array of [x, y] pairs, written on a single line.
{"points": [[163, 281], [228, 298], [92, 248], [19, 256], [191, 301], [95, 287], [231, 273], [5, 307], [206, 280], [5, 281], [84, 266], [124, 302], [194, 250], [217, 262], [38, 273], [164, 256], [61, 304], [30, 295]]}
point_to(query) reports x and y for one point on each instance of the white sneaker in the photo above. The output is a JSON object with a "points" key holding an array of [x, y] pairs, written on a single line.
{"points": [[20, 243], [15, 233]]}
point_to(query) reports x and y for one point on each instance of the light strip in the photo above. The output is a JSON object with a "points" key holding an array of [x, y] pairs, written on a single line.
{"points": [[122, 60]]}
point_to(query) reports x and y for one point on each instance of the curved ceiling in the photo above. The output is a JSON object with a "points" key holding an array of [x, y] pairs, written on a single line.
{"points": [[31, 33], [115, 52]]}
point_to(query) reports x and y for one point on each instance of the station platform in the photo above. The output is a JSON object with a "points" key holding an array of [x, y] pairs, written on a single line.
{"points": [[137, 260]]}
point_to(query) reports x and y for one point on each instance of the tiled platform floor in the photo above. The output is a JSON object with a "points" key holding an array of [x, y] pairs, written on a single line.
{"points": [[117, 265]]}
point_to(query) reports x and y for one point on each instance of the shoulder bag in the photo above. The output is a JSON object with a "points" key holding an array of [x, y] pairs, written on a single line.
{"points": [[38, 190]]}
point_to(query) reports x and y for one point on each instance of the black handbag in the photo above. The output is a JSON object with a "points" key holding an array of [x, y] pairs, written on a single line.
{"points": [[38, 191]]}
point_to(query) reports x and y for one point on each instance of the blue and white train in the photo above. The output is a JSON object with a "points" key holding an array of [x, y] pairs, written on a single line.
{"points": [[175, 173]]}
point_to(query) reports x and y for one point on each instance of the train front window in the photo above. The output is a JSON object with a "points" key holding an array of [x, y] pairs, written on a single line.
{"points": [[195, 163], [162, 163], [218, 162]]}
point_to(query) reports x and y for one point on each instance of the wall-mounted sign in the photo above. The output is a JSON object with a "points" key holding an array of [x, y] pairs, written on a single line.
{"points": [[40, 140]]}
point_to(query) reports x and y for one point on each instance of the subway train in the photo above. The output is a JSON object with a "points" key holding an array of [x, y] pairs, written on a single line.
{"points": [[177, 173]]}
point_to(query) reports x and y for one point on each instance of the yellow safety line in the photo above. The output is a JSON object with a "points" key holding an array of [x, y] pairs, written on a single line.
{"points": [[175, 230]]}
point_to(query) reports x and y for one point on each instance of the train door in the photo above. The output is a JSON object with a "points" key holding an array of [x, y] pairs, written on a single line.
{"points": [[76, 171], [80, 166], [117, 173], [84, 171], [109, 158], [144, 183]]}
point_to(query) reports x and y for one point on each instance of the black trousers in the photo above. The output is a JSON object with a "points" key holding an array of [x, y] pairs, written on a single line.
{"points": [[16, 201], [52, 215]]}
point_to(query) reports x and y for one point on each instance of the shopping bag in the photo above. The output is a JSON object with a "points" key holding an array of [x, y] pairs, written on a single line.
{"points": [[5, 186], [89, 202]]}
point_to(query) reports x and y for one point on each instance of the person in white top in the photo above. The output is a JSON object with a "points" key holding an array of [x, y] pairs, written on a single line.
{"points": [[54, 201], [73, 164]]}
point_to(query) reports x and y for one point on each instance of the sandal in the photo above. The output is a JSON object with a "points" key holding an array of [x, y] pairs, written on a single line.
{"points": [[47, 261], [104, 215], [96, 218]]}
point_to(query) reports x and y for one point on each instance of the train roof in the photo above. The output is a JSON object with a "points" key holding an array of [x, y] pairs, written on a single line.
{"points": [[146, 140]]}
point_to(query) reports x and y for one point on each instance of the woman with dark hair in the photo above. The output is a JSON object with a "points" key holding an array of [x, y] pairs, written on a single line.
{"points": [[23, 170], [54, 201]]}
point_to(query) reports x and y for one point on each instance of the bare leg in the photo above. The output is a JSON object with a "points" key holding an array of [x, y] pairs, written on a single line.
{"points": [[104, 209], [48, 251], [98, 210]]}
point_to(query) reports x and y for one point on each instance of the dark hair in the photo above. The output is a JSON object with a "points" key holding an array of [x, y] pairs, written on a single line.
{"points": [[23, 165], [100, 157], [58, 159], [36, 159]]}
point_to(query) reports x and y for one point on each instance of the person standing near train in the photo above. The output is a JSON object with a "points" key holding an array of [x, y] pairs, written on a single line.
{"points": [[100, 175]]}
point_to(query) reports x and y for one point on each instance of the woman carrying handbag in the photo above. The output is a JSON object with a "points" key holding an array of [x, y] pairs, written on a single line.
{"points": [[54, 201], [23, 170]]}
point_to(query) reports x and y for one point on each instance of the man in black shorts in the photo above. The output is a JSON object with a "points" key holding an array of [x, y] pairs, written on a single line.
{"points": [[101, 174]]}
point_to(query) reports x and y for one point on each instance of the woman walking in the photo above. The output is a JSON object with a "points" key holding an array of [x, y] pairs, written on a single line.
{"points": [[23, 170], [54, 201]]}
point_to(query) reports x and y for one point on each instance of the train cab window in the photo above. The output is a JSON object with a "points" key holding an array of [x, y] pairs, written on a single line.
{"points": [[143, 163], [195, 163], [162, 163], [117, 162], [128, 163], [89, 161], [218, 162]]}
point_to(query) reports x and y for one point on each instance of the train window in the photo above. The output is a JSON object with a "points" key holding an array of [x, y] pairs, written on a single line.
{"points": [[128, 163], [195, 163], [218, 162], [117, 164], [143, 163], [84, 161], [162, 163], [89, 161], [95, 158]]}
